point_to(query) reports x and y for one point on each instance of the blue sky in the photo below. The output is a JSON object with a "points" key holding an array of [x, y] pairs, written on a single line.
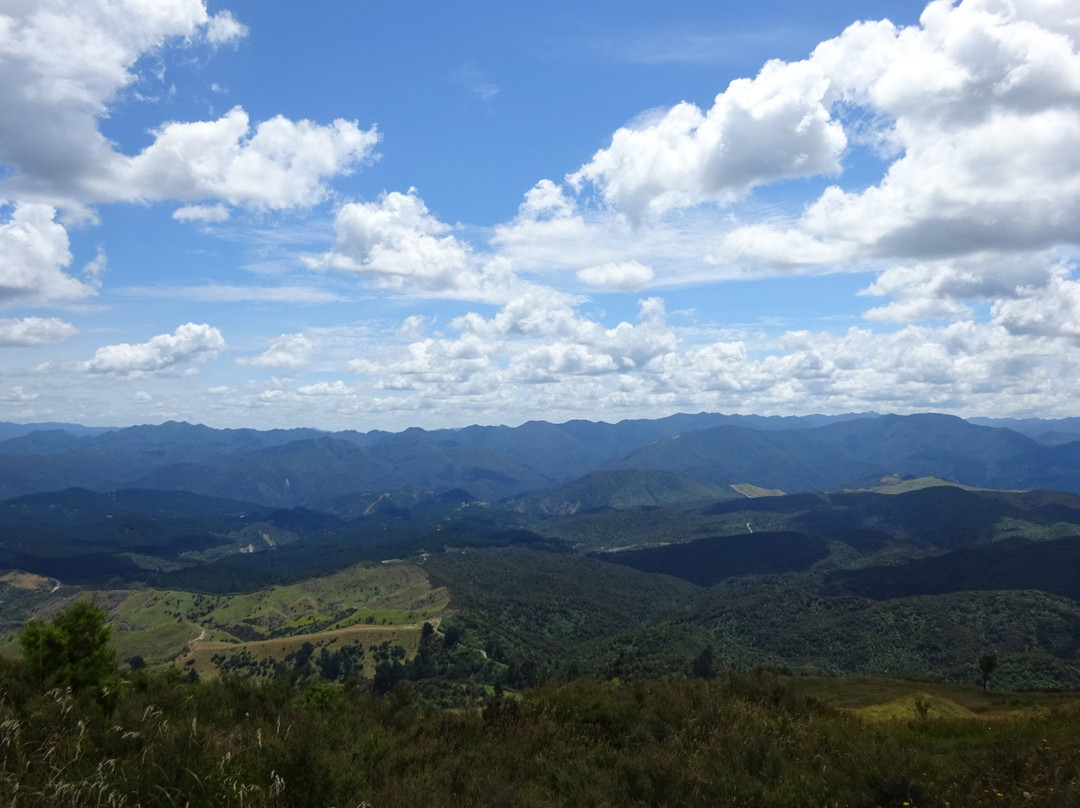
{"points": [[362, 215]]}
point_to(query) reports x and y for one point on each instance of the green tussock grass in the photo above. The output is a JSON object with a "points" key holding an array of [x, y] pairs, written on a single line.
{"points": [[919, 483], [923, 706], [737, 740]]}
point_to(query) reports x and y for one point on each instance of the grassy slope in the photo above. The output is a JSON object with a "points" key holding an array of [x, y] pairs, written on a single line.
{"points": [[753, 491], [898, 486], [159, 624], [199, 654], [871, 696]]}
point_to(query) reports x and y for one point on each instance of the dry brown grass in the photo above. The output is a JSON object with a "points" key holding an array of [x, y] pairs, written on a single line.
{"points": [[202, 651], [26, 580]]}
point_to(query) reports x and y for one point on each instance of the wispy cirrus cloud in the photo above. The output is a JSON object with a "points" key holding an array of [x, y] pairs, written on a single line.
{"points": [[476, 83], [225, 293]]}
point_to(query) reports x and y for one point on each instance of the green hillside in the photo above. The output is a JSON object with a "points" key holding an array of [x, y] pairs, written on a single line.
{"points": [[158, 625]]}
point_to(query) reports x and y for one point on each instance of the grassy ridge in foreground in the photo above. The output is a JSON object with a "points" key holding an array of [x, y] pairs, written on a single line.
{"points": [[734, 741]]}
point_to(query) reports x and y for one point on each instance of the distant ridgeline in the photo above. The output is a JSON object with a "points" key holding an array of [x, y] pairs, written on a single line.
{"points": [[905, 545]]}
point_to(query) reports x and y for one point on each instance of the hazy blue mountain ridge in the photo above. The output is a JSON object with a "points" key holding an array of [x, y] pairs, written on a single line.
{"points": [[850, 452], [286, 468]]}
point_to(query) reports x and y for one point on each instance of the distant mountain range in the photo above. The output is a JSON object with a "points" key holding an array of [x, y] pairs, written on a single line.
{"points": [[286, 468]]}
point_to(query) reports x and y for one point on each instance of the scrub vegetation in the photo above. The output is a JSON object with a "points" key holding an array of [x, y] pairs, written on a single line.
{"points": [[753, 739]]}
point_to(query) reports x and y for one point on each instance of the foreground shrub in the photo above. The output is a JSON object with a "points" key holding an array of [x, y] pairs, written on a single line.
{"points": [[749, 740]]}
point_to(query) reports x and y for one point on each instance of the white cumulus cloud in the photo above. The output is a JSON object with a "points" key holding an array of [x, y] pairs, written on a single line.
{"points": [[398, 243], [30, 331], [64, 64], [223, 27], [944, 289], [163, 354], [280, 164], [1046, 310], [201, 213], [34, 252], [289, 351], [335, 388], [775, 126], [981, 101], [538, 337]]}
